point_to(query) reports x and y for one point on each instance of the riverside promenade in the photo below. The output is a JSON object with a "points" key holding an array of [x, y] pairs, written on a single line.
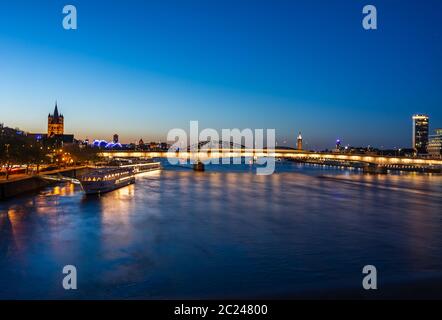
{"points": [[22, 183]]}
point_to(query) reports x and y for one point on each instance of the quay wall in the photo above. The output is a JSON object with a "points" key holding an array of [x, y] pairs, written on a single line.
{"points": [[10, 189], [14, 188]]}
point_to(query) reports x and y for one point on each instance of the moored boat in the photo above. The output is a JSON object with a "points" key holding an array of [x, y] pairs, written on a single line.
{"points": [[107, 179], [139, 165]]}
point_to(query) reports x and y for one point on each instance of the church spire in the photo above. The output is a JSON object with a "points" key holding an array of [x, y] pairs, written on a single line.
{"points": [[56, 110]]}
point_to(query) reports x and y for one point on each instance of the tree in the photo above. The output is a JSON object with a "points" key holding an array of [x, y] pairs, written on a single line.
{"points": [[82, 154], [17, 149], [35, 154]]}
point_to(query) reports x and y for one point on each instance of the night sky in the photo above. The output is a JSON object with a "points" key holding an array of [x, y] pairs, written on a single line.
{"points": [[141, 68]]}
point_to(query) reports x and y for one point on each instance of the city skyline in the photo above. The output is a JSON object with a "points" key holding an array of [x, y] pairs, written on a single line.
{"points": [[58, 128], [275, 69], [218, 157]]}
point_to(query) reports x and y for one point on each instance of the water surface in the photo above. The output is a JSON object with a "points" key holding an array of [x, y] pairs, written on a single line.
{"points": [[224, 233]]}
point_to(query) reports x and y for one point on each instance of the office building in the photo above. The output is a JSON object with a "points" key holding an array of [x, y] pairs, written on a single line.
{"points": [[420, 133], [435, 143]]}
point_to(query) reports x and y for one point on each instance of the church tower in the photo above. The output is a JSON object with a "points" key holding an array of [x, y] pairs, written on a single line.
{"points": [[55, 123]]}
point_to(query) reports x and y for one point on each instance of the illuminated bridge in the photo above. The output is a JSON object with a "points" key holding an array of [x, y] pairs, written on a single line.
{"points": [[351, 160]]}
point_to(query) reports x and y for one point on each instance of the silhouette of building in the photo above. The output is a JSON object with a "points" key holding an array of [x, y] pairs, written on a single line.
{"points": [[420, 133], [10, 132], [115, 139], [55, 123], [338, 146]]}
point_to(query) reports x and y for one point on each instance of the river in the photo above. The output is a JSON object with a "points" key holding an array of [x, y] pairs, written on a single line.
{"points": [[223, 233]]}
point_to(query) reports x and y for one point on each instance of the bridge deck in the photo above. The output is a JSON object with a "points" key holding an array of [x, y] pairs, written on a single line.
{"points": [[219, 153]]}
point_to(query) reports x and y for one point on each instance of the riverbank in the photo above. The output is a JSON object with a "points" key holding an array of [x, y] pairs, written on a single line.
{"points": [[23, 184]]}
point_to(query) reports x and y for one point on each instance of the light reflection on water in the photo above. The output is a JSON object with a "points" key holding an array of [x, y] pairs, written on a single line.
{"points": [[222, 233]]}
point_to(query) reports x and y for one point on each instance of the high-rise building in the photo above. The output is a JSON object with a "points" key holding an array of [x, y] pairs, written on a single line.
{"points": [[55, 123], [420, 133], [435, 143], [299, 141], [115, 139]]}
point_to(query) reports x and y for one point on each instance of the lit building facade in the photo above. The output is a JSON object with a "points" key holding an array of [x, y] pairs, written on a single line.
{"points": [[420, 133], [338, 144], [299, 142], [55, 123], [435, 143]]}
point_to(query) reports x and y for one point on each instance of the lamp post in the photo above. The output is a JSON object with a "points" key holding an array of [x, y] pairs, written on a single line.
{"points": [[7, 160]]}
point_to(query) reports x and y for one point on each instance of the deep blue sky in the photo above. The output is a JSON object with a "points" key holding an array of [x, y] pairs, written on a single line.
{"points": [[140, 68]]}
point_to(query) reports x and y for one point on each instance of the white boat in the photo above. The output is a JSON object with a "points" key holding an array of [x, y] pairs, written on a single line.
{"points": [[139, 165], [107, 179], [142, 166]]}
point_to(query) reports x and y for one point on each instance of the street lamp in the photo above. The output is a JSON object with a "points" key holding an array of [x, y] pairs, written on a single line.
{"points": [[7, 161]]}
